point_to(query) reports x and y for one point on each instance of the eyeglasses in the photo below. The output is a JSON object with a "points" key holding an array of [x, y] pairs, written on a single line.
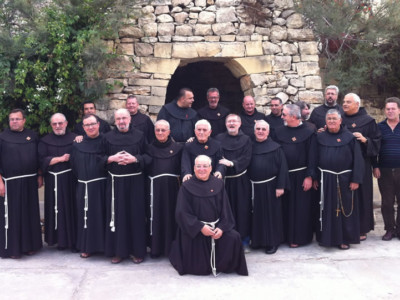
{"points": [[283, 114], [232, 121], [57, 123], [262, 129], [90, 125], [160, 130], [15, 119], [202, 166]]}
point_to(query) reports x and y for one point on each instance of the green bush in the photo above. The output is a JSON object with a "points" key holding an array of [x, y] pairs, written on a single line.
{"points": [[51, 55]]}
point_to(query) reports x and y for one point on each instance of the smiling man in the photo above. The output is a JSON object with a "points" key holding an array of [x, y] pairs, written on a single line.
{"points": [[163, 167], [88, 162], [299, 145], [268, 172], [19, 182], [180, 115], [214, 112], [366, 131], [206, 241], [89, 108], [125, 207], [60, 184], [341, 168], [140, 121], [236, 150], [317, 116], [387, 168], [249, 115], [202, 144]]}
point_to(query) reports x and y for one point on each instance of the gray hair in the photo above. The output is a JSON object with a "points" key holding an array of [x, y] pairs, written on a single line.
{"points": [[356, 98], [332, 87], [233, 115], [203, 157], [333, 111], [212, 90], [203, 122], [164, 122], [294, 110], [58, 115], [122, 110], [262, 122]]}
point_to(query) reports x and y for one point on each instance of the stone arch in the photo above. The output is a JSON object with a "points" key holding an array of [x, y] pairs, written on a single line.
{"points": [[201, 74], [275, 55]]}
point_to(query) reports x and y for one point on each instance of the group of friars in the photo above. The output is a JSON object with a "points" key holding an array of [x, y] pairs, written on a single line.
{"points": [[242, 180]]}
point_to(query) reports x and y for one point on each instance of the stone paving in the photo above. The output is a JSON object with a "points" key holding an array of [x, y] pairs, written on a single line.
{"points": [[366, 271]]}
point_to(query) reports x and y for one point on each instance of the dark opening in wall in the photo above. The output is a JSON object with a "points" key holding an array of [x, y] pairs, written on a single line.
{"points": [[199, 77]]}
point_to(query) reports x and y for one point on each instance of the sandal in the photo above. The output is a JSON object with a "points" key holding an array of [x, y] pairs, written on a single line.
{"points": [[344, 246], [85, 255], [293, 245], [137, 260], [116, 260], [363, 237]]}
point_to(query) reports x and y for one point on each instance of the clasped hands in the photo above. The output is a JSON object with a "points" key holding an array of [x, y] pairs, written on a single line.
{"points": [[215, 233], [122, 158]]}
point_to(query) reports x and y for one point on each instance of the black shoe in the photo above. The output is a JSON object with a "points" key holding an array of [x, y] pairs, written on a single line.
{"points": [[271, 250], [388, 235]]}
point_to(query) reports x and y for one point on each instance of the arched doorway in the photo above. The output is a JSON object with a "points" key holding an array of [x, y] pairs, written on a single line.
{"points": [[200, 76]]}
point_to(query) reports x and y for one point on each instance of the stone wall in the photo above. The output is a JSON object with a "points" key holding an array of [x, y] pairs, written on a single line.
{"points": [[263, 43]]}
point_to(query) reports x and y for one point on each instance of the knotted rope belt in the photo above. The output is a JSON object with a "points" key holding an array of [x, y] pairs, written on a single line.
{"points": [[258, 182], [321, 202], [6, 203], [86, 209], [152, 195], [112, 222], [235, 176], [296, 170], [212, 257], [55, 193]]}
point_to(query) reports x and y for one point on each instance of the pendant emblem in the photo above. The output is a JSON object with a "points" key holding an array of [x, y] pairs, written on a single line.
{"points": [[294, 139]]}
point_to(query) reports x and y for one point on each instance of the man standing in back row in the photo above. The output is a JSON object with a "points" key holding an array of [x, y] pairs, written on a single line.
{"points": [[180, 116], [364, 128], [249, 116], [214, 112], [318, 114], [140, 121]]}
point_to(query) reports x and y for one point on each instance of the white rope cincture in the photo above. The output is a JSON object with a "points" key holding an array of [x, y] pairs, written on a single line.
{"points": [[6, 221], [112, 222], [235, 176], [298, 169], [258, 182], [212, 257], [321, 202], [86, 209], [55, 194], [152, 195]]}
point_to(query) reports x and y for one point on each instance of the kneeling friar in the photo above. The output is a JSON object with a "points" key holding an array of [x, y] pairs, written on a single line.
{"points": [[206, 241]]}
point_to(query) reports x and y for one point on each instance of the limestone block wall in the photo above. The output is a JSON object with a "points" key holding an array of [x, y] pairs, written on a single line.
{"points": [[264, 43]]}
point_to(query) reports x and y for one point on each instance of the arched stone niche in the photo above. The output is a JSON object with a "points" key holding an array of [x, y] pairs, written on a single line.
{"points": [[263, 43]]}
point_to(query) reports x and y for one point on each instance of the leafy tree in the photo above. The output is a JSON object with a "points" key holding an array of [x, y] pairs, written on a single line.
{"points": [[360, 40], [51, 55]]}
